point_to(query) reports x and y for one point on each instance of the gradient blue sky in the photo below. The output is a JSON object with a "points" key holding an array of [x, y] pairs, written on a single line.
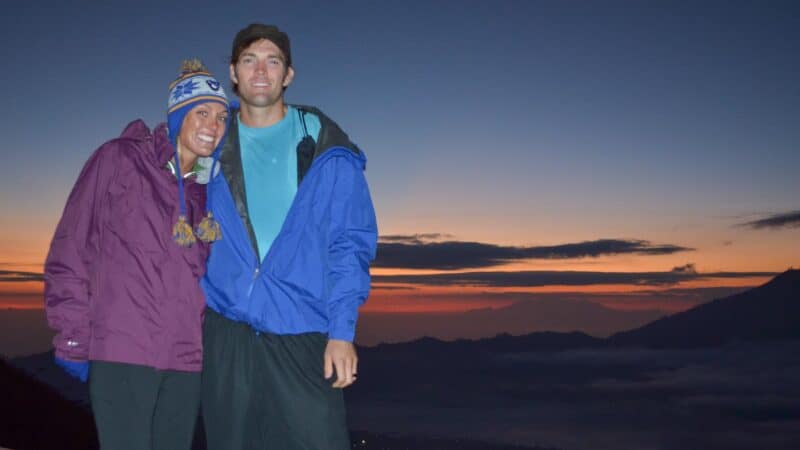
{"points": [[511, 122]]}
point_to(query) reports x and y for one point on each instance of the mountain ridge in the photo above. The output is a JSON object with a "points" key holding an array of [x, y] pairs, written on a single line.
{"points": [[767, 312]]}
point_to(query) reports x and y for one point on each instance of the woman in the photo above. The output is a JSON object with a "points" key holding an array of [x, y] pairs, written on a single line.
{"points": [[122, 274]]}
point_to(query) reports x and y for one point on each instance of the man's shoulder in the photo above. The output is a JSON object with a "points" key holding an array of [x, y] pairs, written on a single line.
{"points": [[330, 133], [308, 109], [312, 113]]}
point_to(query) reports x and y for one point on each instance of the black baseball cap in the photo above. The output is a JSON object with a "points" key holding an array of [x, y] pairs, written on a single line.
{"points": [[256, 31]]}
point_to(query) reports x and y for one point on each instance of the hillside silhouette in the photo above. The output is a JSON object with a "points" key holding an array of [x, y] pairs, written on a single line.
{"points": [[765, 313], [524, 316], [35, 416]]}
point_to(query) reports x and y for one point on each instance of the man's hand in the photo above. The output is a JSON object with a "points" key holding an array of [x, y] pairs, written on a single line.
{"points": [[341, 355]]}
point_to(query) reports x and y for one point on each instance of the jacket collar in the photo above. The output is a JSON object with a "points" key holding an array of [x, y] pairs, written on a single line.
{"points": [[230, 158], [330, 134]]}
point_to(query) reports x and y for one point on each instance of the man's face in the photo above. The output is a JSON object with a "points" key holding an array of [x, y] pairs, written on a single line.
{"points": [[261, 74], [202, 129]]}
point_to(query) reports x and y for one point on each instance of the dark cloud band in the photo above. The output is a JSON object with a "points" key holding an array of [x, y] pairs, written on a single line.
{"points": [[16, 276], [783, 220], [418, 252], [563, 278]]}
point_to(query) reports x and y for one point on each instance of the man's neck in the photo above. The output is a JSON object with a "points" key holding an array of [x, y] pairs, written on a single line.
{"points": [[262, 116]]}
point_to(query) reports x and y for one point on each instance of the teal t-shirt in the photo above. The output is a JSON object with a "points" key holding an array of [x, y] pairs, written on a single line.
{"points": [[269, 162]]}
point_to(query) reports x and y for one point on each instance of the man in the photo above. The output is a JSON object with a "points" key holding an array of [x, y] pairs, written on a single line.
{"points": [[284, 283]]}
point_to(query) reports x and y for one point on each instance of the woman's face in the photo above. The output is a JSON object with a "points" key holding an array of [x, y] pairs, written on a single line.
{"points": [[202, 129]]}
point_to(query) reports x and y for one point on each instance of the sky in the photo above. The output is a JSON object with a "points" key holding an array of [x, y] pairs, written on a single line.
{"points": [[641, 155]]}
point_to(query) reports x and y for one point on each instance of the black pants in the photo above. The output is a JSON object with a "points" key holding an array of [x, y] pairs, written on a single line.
{"points": [[141, 408], [267, 391]]}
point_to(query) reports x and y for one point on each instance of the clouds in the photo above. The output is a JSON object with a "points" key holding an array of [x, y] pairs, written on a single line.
{"points": [[789, 219], [416, 238], [426, 251], [17, 276], [686, 268], [530, 278]]}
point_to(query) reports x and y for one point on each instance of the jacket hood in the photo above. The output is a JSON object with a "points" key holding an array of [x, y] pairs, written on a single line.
{"points": [[138, 131], [330, 135]]}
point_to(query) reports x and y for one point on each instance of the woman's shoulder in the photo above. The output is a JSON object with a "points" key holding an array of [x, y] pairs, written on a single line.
{"points": [[131, 144]]}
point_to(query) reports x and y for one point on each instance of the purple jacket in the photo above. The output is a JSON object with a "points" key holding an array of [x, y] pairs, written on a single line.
{"points": [[117, 287]]}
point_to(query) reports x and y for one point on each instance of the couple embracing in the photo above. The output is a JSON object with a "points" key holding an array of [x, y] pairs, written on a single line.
{"points": [[217, 263]]}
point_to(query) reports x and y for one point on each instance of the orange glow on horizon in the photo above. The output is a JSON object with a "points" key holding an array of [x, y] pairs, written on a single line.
{"points": [[405, 298], [25, 306], [24, 288], [425, 301]]}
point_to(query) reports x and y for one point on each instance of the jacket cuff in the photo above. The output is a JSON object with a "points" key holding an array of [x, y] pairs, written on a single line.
{"points": [[343, 329]]}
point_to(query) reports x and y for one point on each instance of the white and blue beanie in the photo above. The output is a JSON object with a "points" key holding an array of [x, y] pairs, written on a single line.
{"points": [[193, 86]]}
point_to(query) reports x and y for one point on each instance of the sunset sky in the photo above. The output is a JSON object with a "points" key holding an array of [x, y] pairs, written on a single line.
{"points": [[637, 154]]}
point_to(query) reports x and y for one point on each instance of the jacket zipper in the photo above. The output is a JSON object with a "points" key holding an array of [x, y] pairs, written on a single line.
{"points": [[260, 264], [253, 282]]}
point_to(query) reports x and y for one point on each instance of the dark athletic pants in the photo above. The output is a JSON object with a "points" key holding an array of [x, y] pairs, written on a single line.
{"points": [[141, 408], [268, 392]]}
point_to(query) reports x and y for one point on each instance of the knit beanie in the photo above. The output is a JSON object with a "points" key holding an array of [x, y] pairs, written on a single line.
{"points": [[194, 85]]}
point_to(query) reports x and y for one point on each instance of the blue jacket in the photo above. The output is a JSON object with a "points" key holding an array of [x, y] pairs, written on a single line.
{"points": [[316, 273]]}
